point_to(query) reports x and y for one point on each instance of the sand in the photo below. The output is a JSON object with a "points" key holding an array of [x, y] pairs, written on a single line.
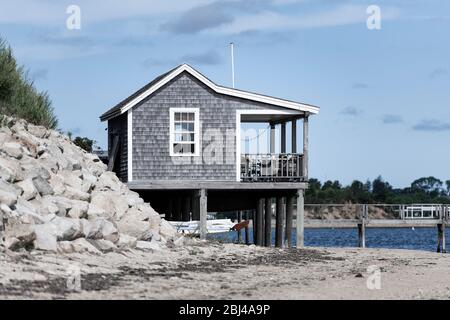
{"points": [[205, 270]]}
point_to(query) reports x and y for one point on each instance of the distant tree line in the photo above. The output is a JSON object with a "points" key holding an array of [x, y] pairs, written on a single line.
{"points": [[423, 190]]}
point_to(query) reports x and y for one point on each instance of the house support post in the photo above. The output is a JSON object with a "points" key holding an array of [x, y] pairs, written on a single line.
{"points": [[268, 222], [294, 136], [305, 146], [289, 215], [272, 138], [239, 219], [259, 222], [186, 210], [279, 223], [247, 236], [195, 207], [169, 211], [203, 213], [177, 209], [300, 219], [283, 137]]}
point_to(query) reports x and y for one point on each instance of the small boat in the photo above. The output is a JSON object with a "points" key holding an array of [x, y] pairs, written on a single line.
{"points": [[212, 226]]}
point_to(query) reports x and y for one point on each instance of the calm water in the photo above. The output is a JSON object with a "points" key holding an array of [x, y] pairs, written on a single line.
{"points": [[394, 238]]}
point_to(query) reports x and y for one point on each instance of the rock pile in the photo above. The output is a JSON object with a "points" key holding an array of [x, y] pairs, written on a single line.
{"points": [[56, 197]]}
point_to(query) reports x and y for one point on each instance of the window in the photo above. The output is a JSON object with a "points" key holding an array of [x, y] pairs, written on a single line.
{"points": [[184, 131]]}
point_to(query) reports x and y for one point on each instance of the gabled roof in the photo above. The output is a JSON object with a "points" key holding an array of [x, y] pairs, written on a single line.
{"points": [[161, 80]]}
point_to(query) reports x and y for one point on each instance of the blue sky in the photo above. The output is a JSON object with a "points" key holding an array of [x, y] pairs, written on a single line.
{"points": [[384, 94]]}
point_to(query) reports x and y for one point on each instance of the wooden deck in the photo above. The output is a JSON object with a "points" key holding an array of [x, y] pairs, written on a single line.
{"points": [[214, 185]]}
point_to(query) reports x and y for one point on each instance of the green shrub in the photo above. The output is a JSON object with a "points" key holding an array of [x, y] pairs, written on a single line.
{"points": [[18, 96]]}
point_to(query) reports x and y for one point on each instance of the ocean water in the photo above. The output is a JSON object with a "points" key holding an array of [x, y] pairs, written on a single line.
{"points": [[393, 238]]}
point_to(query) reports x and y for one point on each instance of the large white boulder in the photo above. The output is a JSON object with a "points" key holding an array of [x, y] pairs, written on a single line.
{"points": [[134, 227], [13, 149], [67, 228], [42, 186], [10, 170], [29, 190], [45, 237], [8, 198], [100, 229], [76, 194], [78, 245], [126, 241], [166, 230], [19, 236]]}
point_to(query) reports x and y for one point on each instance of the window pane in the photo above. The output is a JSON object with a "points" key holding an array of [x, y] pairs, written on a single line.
{"points": [[190, 127], [177, 148], [177, 116], [184, 117], [178, 127], [184, 148], [190, 117], [185, 126]]}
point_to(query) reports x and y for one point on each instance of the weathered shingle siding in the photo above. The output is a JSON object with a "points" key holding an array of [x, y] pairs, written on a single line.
{"points": [[118, 126], [151, 158]]}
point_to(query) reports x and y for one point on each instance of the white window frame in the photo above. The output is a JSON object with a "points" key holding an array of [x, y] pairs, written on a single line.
{"points": [[196, 112]]}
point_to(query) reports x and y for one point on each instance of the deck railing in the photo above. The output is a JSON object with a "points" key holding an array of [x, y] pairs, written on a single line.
{"points": [[276, 167]]}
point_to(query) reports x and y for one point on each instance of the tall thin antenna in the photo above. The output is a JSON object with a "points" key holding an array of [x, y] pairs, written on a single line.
{"points": [[232, 63]]}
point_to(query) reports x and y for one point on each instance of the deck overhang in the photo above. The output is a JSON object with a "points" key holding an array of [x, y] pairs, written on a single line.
{"points": [[214, 185]]}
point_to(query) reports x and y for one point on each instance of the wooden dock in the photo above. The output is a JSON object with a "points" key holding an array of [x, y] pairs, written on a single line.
{"points": [[409, 216]]}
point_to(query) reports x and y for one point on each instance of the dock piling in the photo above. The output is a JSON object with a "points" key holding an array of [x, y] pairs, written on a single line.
{"points": [[239, 219], [247, 236], [268, 223], [362, 227], [289, 214], [186, 209], [177, 209], [441, 237], [279, 223], [259, 222]]}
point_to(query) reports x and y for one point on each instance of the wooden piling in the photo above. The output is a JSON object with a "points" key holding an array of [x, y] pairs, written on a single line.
{"points": [[239, 219], [279, 223], [259, 222], [362, 234], [362, 226], [254, 228], [247, 235], [268, 223], [177, 209], [289, 215], [195, 207], [186, 209], [169, 211], [203, 213], [300, 219], [441, 237]]}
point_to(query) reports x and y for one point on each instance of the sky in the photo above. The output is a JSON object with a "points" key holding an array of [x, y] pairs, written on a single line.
{"points": [[383, 93]]}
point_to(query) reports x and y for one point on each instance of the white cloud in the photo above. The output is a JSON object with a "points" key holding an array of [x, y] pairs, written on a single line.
{"points": [[270, 20]]}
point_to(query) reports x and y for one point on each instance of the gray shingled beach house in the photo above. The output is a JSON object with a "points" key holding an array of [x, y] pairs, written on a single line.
{"points": [[177, 142]]}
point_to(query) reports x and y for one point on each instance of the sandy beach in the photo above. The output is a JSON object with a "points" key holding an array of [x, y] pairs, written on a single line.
{"points": [[205, 270]]}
